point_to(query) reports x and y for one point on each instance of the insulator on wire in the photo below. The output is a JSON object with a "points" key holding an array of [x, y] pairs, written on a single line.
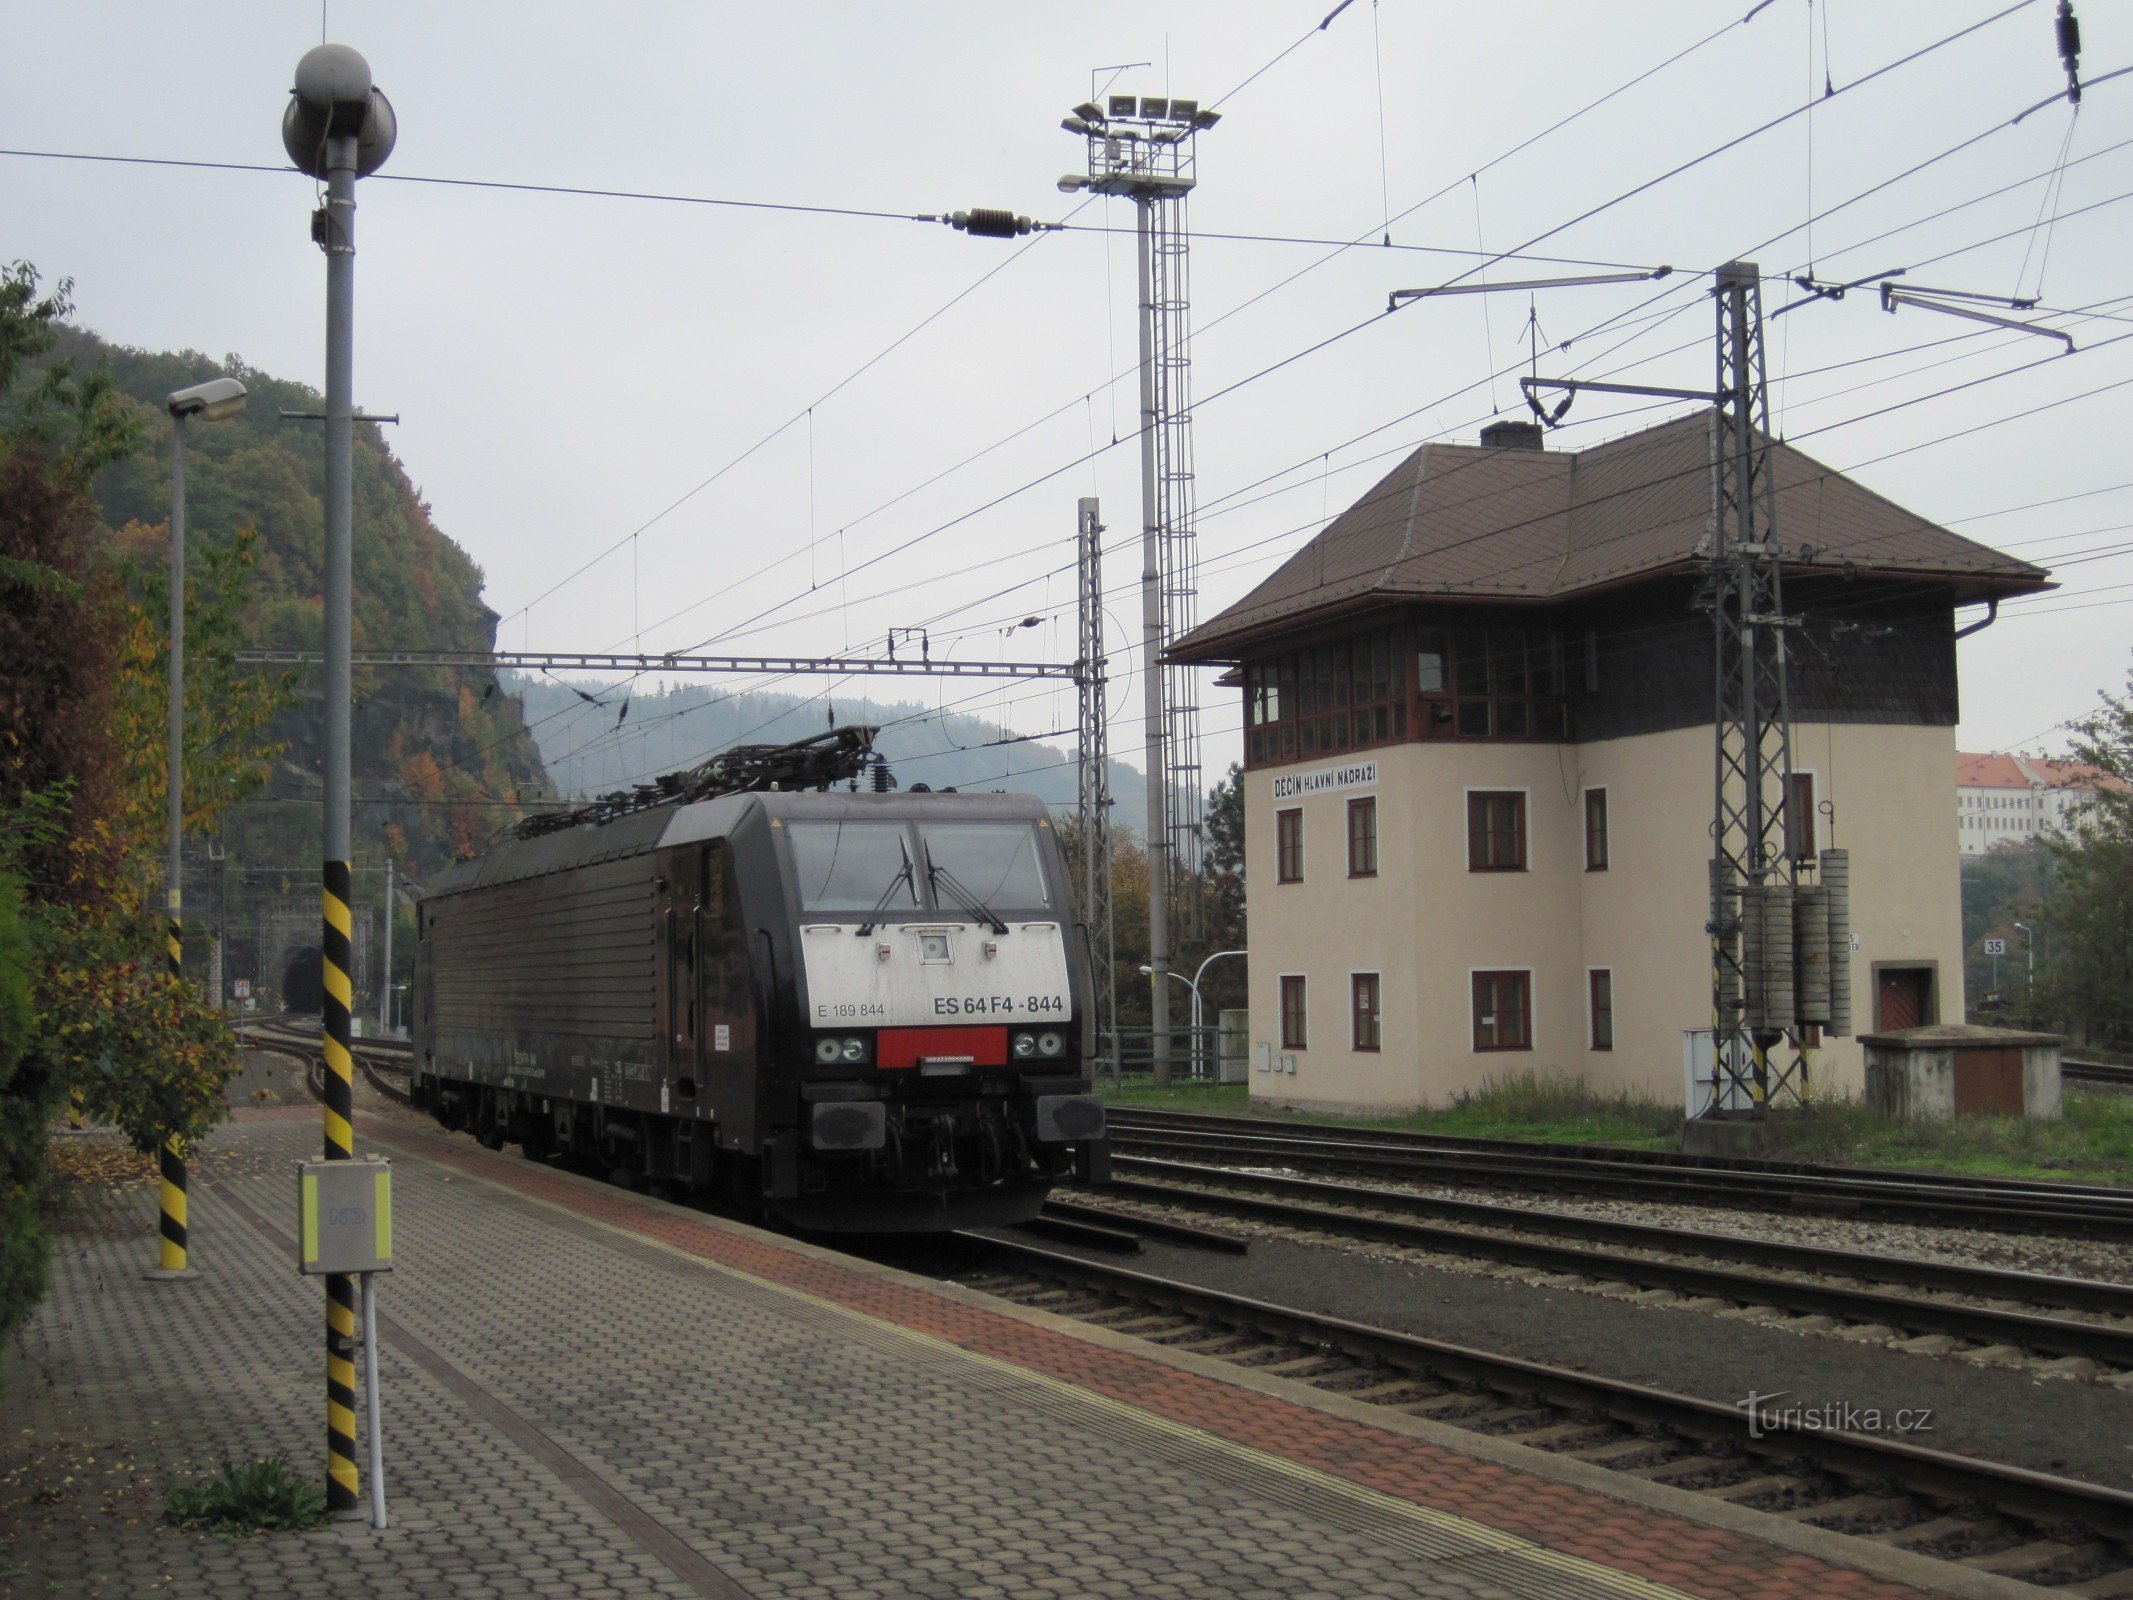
{"points": [[983, 222], [2069, 27]]}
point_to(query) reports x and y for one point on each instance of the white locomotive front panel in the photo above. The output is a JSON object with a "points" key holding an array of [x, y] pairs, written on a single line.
{"points": [[935, 974]]}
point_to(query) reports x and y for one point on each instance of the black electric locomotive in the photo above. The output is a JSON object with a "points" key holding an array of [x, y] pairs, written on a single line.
{"points": [[853, 1011]]}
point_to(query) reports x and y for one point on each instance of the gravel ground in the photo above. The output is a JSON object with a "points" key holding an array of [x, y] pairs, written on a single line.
{"points": [[2077, 1429], [2108, 1260]]}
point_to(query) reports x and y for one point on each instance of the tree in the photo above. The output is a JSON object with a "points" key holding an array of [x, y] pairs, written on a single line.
{"points": [[85, 1002], [2086, 974], [2005, 886]]}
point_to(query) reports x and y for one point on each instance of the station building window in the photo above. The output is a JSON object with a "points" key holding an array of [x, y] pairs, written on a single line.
{"points": [[1293, 1033], [1595, 830], [1495, 830], [1289, 846], [1491, 683], [1347, 695], [1503, 1010], [1363, 838], [1600, 986], [1363, 992]]}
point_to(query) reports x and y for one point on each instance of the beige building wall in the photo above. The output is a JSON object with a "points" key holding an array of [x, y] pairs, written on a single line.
{"points": [[1426, 923]]}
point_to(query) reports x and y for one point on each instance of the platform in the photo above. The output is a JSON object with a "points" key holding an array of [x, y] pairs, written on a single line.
{"points": [[590, 1393]]}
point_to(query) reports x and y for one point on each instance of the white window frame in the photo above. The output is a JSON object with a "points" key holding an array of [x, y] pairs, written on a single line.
{"points": [[1532, 1003], [1466, 814], [1613, 1011], [1281, 1012], [1378, 842], [1353, 974], [1303, 843], [1584, 800]]}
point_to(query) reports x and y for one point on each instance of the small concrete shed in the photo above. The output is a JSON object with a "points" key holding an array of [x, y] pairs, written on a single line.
{"points": [[1961, 1070]]}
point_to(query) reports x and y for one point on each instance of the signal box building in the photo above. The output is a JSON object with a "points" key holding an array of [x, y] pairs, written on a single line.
{"points": [[1479, 765]]}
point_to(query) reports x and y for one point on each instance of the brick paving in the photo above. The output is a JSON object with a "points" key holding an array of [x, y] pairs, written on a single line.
{"points": [[591, 1394]]}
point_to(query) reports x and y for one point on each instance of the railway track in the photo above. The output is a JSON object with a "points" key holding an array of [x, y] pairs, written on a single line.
{"points": [[1974, 1305], [2067, 1535], [2060, 1533], [384, 1063], [2011, 1204], [2097, 1074]]}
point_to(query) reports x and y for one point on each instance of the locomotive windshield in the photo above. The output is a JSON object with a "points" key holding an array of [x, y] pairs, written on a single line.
{"points": [[853, 866], [996, 862]]}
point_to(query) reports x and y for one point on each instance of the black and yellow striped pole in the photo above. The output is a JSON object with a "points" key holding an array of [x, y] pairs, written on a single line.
{"points": [[341, 1485], [172, 1259], [337, 127]]}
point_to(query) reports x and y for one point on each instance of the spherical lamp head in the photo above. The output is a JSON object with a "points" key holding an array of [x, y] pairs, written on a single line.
{"points": [[334, 97]]}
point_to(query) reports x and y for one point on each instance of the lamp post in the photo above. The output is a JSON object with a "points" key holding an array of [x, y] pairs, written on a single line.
{"points": [[210, 402], [338, 127], [1193, 983]]}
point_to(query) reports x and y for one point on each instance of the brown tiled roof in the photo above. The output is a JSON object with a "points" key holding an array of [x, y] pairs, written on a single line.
{"points": [[1459, 521]]}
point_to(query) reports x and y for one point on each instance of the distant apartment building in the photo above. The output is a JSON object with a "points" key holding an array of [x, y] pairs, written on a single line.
{"points": [[1479, 765], [2007, 799]]}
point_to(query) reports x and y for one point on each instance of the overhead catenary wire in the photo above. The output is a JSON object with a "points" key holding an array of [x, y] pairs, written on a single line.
{"points": [[1876, 74]]}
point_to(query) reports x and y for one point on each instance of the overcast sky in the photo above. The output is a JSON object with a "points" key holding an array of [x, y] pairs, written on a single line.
{"points": [[570, 370]]}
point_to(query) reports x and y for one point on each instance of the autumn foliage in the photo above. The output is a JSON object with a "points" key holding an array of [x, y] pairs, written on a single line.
{"points": [[88, 1012]]}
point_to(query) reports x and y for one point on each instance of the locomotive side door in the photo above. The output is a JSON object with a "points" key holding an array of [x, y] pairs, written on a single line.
{"points": [[680, 1004], [727, 986]]}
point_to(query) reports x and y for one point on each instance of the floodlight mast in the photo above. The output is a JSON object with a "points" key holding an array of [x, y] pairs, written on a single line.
{"points": [[1143, 148], [338, 126]]}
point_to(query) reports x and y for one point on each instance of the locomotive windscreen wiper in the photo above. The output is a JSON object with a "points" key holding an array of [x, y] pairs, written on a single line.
{"points": [[902, 878], [939, 875]]}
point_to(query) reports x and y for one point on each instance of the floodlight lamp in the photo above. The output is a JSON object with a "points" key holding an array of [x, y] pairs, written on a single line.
{"points": [[1075, 125], [1184, 110], [1154, 108], [1206, 119], [1090, 111], [210, 401], [1073, 183], [334, 97], [1123, 105]]}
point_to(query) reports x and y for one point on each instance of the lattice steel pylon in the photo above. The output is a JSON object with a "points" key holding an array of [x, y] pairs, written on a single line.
{"points": [[1142, 148], [1753, 870], [1092, 810]]}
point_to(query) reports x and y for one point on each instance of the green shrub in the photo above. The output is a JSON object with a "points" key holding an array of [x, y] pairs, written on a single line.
{"points": [[28, 1098], [262, 1496]]}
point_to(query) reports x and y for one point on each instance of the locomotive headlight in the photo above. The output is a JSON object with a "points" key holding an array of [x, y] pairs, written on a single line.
{"points": [[1050, 1044], [852, 1050], [826, 1049], [1025, 1046]]}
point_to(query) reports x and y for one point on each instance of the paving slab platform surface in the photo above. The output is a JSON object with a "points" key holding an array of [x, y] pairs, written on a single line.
{"points": [[592, 1393]]}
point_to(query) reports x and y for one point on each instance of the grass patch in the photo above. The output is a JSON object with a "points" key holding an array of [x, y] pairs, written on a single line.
{"points": [[1521, 1106], [262, 1496], [2091, 1143]]}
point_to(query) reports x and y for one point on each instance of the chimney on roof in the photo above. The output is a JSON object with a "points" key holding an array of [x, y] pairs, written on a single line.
{"points": [[1512, 436]]}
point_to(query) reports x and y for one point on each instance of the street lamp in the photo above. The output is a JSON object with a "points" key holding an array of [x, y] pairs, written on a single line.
{"points": [[338, 127], [210, 402], [1193, 983]]}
